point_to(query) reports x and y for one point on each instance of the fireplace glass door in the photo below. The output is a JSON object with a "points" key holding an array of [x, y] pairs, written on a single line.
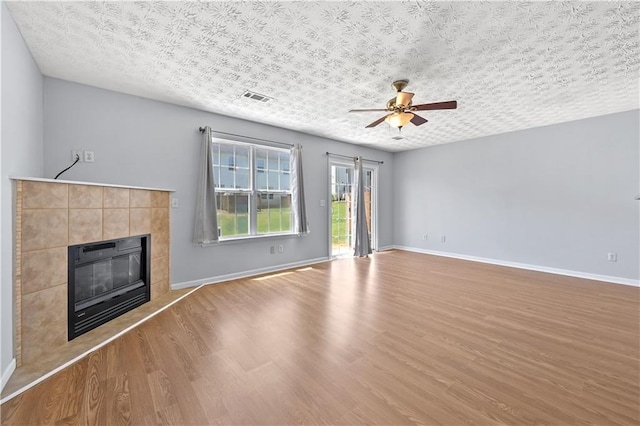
{"points": [[107, 279], [104, 279]]}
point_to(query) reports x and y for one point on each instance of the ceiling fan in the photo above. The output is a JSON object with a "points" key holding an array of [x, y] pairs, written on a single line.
{"points": [[401, 110]]}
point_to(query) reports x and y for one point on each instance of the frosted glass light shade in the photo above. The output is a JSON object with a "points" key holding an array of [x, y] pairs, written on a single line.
{"points": [[404, 98], [399, 119]]}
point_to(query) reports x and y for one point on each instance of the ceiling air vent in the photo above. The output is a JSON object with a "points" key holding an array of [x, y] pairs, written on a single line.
{"points": [[256, 96]]}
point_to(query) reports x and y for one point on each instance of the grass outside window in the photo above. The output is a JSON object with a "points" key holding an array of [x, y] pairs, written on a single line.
{"points": [[237, 224]]}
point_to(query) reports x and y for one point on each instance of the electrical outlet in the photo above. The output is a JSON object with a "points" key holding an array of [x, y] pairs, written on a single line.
{"points": [[88, 157], [76, 153], [323, 203], [612, 257], [272, 249], [175, 203], [280, 248], [443, 239], [424, 236]]}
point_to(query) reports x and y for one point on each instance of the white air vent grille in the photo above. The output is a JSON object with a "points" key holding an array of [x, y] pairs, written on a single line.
{"points": [[256, 96]]}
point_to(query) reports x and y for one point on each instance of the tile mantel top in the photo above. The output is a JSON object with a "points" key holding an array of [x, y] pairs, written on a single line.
{"points": [[72, 182]]}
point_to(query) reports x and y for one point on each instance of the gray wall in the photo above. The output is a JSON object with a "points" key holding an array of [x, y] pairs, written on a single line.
{"points": [[147, 143], [21, 154], [560, 196]]}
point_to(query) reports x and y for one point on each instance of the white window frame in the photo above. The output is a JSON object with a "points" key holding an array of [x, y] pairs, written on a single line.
{"points": [[252, 191]]}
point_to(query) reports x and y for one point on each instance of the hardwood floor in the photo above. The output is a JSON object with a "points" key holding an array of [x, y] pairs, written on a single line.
{"points": [[30, 372], [399, 338]]}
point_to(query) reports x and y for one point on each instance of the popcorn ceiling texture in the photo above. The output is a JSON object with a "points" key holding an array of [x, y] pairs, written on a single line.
{"points": [[510, 66]]}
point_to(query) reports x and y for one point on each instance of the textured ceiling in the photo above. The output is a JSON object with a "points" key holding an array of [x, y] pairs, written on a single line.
{"points": [[509, 65]]}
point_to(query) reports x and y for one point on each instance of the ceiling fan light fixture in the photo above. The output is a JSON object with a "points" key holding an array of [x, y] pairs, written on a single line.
{"points": [[399, 119], [399, 108], [404, 98]]}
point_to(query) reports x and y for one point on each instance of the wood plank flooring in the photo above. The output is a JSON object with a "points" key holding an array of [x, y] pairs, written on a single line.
{"points": [[29, 372], [399, 338]]}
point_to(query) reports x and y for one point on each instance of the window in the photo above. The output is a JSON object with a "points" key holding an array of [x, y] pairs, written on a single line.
{"points": [[253, 189]]}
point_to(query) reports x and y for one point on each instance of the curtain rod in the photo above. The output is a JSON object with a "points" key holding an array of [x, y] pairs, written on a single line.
{"points": [[348, 156], [248, 137]]}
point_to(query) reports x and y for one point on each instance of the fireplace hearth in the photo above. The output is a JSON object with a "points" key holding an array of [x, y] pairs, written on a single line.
{"points": [[106, 279]]}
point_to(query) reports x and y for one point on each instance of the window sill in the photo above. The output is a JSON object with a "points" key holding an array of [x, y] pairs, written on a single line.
{"points": [[250, 238]]}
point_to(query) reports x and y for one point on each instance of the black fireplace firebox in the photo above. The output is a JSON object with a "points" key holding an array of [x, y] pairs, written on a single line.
{"points": [[107, 279]]}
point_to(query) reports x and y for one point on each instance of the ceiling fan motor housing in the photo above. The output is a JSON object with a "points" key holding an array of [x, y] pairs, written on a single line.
{"points": [[393, 106]]}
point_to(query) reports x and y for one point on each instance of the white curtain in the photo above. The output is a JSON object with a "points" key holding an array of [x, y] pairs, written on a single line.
{"points": [[205, 230], [300, 223], [362, 245]]}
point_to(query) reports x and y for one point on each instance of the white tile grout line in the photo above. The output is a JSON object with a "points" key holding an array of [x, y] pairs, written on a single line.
{"points": [[98, 346]]}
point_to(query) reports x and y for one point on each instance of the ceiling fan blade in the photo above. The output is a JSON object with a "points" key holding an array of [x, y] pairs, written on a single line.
{"points": [[417, 120], [404, 98], [375, 123], [364, 110], [436, 105]]}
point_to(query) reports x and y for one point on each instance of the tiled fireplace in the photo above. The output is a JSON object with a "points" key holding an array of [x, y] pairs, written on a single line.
{"points": [[51, 216]]}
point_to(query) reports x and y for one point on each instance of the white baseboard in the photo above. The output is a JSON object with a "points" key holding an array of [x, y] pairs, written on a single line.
{"points": [[385, 248], [249, 273], [577, 274], [6, 374]]}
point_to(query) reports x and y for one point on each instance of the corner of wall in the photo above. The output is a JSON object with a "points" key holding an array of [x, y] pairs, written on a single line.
{"points": [[22, 149], [5, 377], [6, 374]]}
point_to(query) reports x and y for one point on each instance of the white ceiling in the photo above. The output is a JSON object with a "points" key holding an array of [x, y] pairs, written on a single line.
{"points": [[509, 65]]}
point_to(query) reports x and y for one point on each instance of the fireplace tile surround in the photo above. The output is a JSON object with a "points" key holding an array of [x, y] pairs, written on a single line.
{"points": [[52, 215]]}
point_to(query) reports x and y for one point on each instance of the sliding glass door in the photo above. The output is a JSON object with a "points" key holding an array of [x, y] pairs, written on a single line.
{"points": [[342, 199]]}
